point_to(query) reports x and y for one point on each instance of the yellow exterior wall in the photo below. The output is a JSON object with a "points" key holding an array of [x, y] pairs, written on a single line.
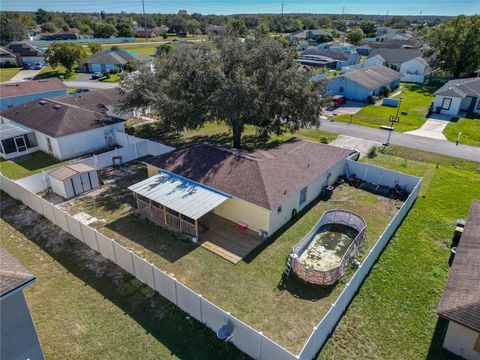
{"points": [[237, 210]]}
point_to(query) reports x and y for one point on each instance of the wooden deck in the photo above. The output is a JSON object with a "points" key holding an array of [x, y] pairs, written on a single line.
{"points": [[225, 239]]}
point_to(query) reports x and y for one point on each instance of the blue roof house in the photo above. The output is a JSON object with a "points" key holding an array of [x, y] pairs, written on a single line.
{"points": [[359, 85], [110, 60]]}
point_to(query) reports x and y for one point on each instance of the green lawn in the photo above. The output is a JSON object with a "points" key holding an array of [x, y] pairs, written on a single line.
{"points": [[394, 314], [28, 165], [220, 133], [470, 129], [415, 100], [7, 73], [86, 307], [141, 49], [49, 72], [112, 79]]}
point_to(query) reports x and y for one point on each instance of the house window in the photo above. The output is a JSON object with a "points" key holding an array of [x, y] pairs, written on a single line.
{"points": [[478, 105], [303, 196], [279, 209], [49, 145], [446, 103]]}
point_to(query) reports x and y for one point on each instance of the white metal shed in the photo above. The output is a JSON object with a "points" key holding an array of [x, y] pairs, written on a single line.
{"points": [[72, 180]]}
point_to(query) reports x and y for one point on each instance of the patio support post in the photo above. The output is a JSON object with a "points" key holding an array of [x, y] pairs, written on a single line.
{"points": [[150, 203], [196, 228], [180, 221], [165, 214]]}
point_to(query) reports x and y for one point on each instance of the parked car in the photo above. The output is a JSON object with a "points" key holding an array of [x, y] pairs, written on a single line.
{"points": [[37, 66], [97, 75], [81, 90], [338, 100], [26, 67]]}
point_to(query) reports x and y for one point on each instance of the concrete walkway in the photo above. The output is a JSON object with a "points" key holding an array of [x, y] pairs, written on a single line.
{"points": [[24, 75], [349, 142], [408, 140], [432, 128]]}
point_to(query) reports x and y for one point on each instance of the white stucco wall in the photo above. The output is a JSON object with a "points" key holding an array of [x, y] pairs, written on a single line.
{"points": [[413, 71], [460, 340], [454, 106], [277, 220]]}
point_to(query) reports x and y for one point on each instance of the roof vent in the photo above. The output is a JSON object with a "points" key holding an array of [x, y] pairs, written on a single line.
{"points": [[42, 102], [56, 107]]}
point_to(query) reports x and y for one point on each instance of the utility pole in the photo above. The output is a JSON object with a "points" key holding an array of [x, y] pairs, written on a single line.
{"points": [[343, 19], [144, 20], [281, 18]]}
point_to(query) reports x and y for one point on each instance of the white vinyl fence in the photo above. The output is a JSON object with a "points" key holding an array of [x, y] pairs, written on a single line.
{"points": [[244, 337], [131, 149]]}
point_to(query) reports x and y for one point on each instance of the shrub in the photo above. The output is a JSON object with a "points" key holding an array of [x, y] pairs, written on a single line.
{"points": [[386, 91], [324, 139], [165, 36], [371, 99], [8, 64], [106, 73], [114, 47], [372, 152]]}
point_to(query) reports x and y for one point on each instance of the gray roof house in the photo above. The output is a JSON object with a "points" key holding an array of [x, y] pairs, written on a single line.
{"points": [[112, 59], [26, 53], [361, 84], [7, 57], [459, 97], [329, 58], [18, 335], [460, 302]]}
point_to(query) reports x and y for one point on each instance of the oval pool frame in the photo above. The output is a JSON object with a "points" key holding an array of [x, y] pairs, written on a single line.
{"points": [[331, 276]]}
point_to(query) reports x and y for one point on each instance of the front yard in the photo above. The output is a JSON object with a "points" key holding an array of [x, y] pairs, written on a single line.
{"points": [[49, 72], [28, 165], [253, 289], [8, 73], [416, 100], [469, 129]]}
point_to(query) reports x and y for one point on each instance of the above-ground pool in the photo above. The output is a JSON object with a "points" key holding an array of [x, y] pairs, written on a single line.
{"points": [[322, 256]]}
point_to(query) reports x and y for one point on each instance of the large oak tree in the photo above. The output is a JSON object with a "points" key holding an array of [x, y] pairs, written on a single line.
{"points": [[256, 82]]}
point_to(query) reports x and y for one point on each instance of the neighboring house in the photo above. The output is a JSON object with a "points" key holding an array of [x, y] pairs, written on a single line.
{"points": [[395, 44], [18, 334], [259, 191], [111, 60], [67, 126], [7, 58], [460, 97], [361, 84], [409, 62], [213, 29], [60, 36], [329, 58], [316, 34], [17, 93], [336, 46], [141, 33], [311, 36], [27, 54], [375, 60], [460, 302], [364, 50]]}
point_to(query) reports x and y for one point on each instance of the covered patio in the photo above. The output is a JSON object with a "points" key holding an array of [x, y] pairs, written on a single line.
{"points": [[182, 205], [16, 141]]}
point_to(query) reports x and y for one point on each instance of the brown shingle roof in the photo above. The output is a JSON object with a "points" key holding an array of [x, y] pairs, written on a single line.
{"points": [[263, 177], [23, 49], [12, 273], [30, 87], [96, 100], [461, 297], [55, 118]]}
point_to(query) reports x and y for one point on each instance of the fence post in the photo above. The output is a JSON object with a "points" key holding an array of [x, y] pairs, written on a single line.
{"points": [[95, 161], [200, 297], [136, 150], [260, 341], [175, 287]]}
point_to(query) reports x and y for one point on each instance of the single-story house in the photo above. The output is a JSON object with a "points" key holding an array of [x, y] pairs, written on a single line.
{"points": [[259, 191], [67, 126], [27, 54], [110, 60], [409, 62], [459, 97], [142, 33], [364, 50], [312, 36], [16, 93], [375, 60], [361, 84], [336, 46], [18, 336], [329, 58], [460, 302], [213, 29], [7, 58]]}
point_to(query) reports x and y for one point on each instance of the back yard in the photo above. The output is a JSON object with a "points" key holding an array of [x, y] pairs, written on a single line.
{"points": [[416, 100], [28, 165]]}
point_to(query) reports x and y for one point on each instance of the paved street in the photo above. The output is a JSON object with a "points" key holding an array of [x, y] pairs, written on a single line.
{"points": [[413, 141], [91, 84]]}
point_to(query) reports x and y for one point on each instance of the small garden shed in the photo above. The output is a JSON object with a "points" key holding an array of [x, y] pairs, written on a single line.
{"points": [[72, 180]]}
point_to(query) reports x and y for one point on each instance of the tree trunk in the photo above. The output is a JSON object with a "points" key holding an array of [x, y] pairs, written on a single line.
{"points": [[237, 134]]}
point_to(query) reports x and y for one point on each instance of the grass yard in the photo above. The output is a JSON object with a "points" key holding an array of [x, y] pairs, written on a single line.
{"points": [[49, 72], [86, 307], [470, 129], [8, 73], [220, 134], [253, 289], [112, 79], [28, 165], [139, 48], [394, 314], [416, 100]]}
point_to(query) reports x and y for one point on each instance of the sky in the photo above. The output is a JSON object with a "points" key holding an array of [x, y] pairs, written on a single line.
{"points": [[225, 7]]}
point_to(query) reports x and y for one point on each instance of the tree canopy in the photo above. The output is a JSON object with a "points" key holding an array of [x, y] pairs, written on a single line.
{"points": [[256, 82], [355, 36], [66, 54], [457, 45]]}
